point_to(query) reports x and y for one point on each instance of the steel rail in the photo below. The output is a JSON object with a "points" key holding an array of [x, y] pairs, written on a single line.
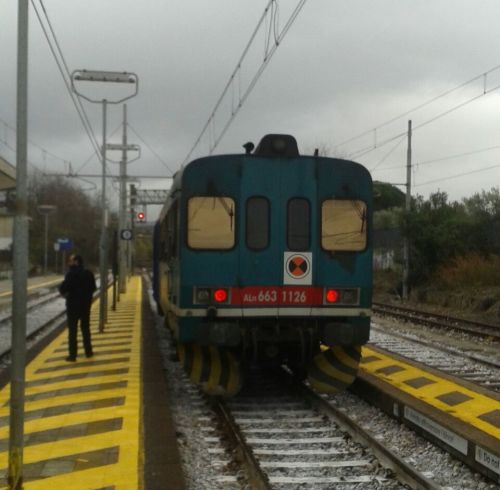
{"points": [[255, 474], [405, 473], [437, 320], [448, 350]]}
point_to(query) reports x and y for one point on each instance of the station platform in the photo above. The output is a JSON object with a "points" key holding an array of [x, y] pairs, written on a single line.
{"points": [[86, 425], [34, 284], [456, 414]]}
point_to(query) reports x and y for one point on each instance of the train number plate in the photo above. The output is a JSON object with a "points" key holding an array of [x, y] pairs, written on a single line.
{"points": [[276, 296]]}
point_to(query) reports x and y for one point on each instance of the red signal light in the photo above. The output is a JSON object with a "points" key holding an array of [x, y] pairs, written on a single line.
{"points": [[332, 295], [141, 216], [220, 295]]}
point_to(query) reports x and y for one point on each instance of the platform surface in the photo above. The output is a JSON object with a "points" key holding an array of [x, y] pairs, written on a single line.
{"points": [[475, 407], [82, 419]]}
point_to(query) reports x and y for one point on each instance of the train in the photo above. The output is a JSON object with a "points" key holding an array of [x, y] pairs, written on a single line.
{"points": [[265, 258]]}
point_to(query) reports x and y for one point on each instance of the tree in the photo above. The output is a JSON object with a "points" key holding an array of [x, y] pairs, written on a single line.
{"points": [[386, 196], [484, 205], [438, 232], [77, 217], [387, 219]]}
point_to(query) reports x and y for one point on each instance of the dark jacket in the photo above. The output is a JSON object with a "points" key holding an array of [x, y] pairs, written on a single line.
{"points": [[78, 287]]}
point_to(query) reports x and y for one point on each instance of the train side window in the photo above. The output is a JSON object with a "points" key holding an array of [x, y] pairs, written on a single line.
{"points": [[211, 223], [257, 223], [172, 231], [163, 241], [343, 225], [298, 224]]}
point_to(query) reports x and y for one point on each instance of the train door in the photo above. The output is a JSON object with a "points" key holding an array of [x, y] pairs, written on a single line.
{"points": [[260, 239], [169, 262], [276, 258], [298, 252]]}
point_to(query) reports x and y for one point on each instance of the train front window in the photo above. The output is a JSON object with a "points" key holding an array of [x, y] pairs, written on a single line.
{"points": [[211, 223], [257, 223], [298, 224], [343, 225]]}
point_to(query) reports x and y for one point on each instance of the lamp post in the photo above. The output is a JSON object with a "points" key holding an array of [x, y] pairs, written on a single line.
{"points": [[110, 77], [45, 210]]}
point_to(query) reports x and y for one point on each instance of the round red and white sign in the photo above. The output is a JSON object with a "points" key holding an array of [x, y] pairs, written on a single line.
{"points": [[297, 266]]}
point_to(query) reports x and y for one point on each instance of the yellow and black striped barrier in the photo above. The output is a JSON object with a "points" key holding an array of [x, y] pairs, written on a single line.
{"points": [[214, 369], [334, 369]]}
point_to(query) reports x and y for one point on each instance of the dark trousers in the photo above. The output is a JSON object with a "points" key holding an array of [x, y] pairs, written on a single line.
{"points": [[83, 315]]}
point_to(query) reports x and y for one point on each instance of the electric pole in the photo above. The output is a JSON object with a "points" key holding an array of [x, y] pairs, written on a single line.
{"points": [[406, 243], [122, 251], [20, 260]]}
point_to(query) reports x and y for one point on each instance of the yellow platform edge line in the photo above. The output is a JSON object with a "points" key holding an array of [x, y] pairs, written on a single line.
{"points": [[478, 405]]}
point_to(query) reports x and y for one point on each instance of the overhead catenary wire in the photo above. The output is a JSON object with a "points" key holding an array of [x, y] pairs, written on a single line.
{"points": [[93, 154], [229, 82], [31, 142], [274, 22], [150, 148], [400, 136], [66, 76], [260, 71], [29, 161], [364, 151], [455, 176], [388, 154], [83, 117], [271, 10], [443, 159], [422, 105], [65, 73]]}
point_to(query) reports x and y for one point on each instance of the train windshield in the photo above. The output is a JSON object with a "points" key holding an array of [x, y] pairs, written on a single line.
{"points": [[343, 225], [211, 223]]}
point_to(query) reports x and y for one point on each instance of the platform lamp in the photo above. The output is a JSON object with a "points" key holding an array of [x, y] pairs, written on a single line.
{"points": [[46, 210], [108, 77]]}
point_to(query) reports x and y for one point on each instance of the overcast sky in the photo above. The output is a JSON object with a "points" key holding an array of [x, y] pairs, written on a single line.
{"points": [[345, 68]]}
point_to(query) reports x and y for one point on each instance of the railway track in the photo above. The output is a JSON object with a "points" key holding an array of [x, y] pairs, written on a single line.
{"points": [[41, 318], [45, 314], [286, 436], [471, 327], [278, 434], [270, 423], [35, 301], [472, 367]]}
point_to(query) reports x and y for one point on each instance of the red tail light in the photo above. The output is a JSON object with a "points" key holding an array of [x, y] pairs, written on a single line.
{"points": [[220, 295], [332, 296]]}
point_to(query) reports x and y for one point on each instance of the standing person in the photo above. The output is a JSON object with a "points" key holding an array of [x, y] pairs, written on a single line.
{"points": [[78, 288]]}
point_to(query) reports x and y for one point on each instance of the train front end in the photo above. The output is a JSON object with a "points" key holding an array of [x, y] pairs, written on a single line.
{"points": [[272, 265]]}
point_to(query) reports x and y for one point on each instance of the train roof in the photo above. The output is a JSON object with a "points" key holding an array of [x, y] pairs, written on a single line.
{"points": [[270, 146]]}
